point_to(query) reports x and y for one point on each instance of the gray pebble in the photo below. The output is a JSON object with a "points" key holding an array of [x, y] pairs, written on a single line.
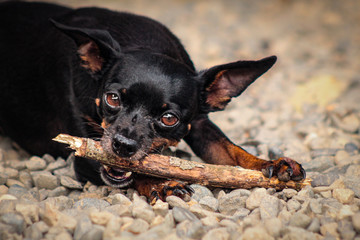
{"points": [[86, 203], [289, 193], [217, 234], [17, 190], [293, 205], [35, 163], [14, 220], [269, 207], [300, 220], [255, 198], [138, 226], [200, 192], [70, 183], [48, 158], [356, 221], [161, 208], [346, 230], [59, 191], [314, 225], [229, 203], [45, 179], [175, 201], [209, 203], [26, 179], [190, 229], [143, 213], [351, 148], [11, 172], [181, 214], [83, 226], [60, 202], [319, 164], [95, 233], [120, 199], [60, 163]]}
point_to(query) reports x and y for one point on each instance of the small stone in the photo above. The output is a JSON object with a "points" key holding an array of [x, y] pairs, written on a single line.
{"points": [[120, 199], [60, 203], [15, 221], [3, 189], [10, 182], [344, 196], [314, 225], [342, 158], [293, 205], [300, 220], [7, 197], [306, 192], [289, 193], [95, 233], [229, 203], [59, 191], [143, 213], [175, 201], [26, 179], [296, 233], [82, 227], [17, 190], [60, 163], [35, 163], [91, 202], [190, 229], [70, 183], [326, 194], [210, 221], [17, 164], [138, 202], [48, 158], [161, 208], [353, 170], [138, 226], [255, 198], [356, 221], [209, 203], [7, 205], [319, 164], [229, 224], [30, 212], [11, 173], [315, 206], [273, 226], [200, 192], [345, 212], [49, 215], [351, 148], [120, 210], [257, 233], [181, 214], [350, 123], [157, 221], [67, 222], [269, 207], [217, 234], [45, 179], [329, 228], [100, 218], [113, 229], [346, 230]]}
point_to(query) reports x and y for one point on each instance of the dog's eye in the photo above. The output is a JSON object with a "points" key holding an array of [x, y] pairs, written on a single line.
{"points": [[112, 99], [169, 120]]}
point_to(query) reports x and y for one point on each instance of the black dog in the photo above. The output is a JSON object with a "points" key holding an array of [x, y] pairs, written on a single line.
{"points": [[120, 78]]}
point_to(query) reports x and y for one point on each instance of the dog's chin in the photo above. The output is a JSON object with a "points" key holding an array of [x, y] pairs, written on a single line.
{"points": [[116, 177]]}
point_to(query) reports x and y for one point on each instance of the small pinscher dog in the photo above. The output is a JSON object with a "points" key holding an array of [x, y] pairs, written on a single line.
{"points": [[120, 78]]}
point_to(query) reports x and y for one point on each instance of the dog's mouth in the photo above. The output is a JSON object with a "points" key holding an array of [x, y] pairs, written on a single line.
{"points": [[116, 177]]}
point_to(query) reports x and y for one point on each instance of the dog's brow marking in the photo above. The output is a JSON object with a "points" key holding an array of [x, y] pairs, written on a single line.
{"points": [[184, 165]]}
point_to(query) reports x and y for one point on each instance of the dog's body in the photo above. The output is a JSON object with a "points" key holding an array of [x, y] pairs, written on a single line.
{"points": [[121, 78]]}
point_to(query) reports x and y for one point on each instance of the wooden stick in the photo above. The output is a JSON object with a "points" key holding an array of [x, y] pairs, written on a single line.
{"points": [[175, 168]]}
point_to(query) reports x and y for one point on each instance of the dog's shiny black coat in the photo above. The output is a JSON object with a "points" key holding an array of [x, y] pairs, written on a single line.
{"points": [[118, 77]]}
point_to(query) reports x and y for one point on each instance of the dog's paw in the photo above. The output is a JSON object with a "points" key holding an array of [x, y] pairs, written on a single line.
{"points": [[284, 169], [171, 188]]}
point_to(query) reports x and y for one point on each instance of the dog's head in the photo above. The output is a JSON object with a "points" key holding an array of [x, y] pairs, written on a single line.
{"points": [[146, 100]]}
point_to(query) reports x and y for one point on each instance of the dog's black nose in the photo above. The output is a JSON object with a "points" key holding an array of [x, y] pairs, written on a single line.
{"points": [[123, 146]]}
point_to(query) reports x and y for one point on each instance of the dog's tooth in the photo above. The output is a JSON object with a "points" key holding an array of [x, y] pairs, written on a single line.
{"points": [[128, 174]]}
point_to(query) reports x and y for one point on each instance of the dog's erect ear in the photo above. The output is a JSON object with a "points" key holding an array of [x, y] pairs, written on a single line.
{"points": [[222, 82], [95, 46]]}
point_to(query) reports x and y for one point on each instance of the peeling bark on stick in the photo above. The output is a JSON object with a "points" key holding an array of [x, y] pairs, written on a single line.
{"points": [[175, 168]]}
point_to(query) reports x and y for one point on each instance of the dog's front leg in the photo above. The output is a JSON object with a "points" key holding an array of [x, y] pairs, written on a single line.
{"points": [[210, 143]]}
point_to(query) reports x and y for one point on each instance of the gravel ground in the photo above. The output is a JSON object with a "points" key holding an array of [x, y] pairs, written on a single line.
{"points": [[306, 107]]}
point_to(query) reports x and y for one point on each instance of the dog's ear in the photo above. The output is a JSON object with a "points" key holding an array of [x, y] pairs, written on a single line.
{"points": [[222, 82], [95, 46]]}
